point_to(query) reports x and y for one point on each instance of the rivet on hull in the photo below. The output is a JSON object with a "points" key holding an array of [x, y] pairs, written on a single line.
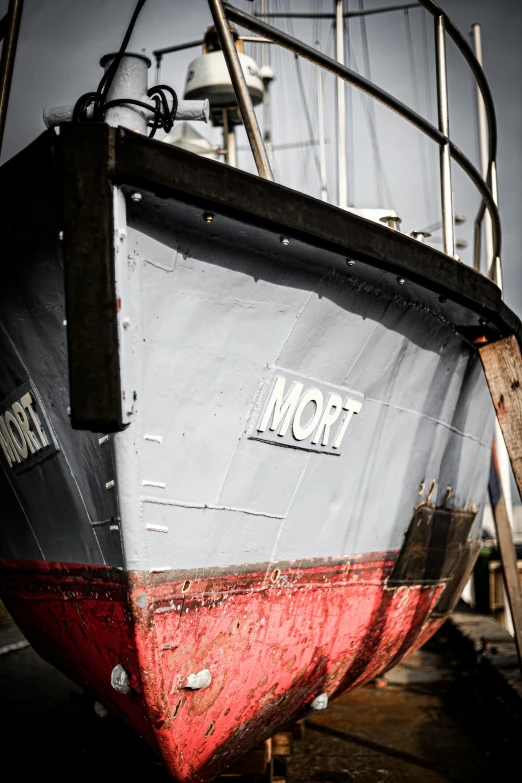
{"points": [[198, 681], [320, 702], [120, 680]]}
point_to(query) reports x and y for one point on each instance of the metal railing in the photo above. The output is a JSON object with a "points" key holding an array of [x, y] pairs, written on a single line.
{"points": [[223, 14]]}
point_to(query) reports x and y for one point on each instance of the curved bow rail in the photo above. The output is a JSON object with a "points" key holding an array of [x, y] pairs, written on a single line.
{"points": [[223, 14]]}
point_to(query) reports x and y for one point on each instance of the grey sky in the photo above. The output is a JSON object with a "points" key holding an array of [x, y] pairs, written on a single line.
{"points": [[62, 41]]}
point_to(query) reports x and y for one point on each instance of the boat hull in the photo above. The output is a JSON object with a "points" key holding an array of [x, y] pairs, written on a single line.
{"points": [[293, 545]]}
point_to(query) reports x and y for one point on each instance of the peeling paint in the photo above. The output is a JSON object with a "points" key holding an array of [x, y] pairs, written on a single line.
{"points": [[270, 648]]}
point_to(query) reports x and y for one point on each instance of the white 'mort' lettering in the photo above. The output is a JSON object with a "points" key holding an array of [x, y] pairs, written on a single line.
{"points": [[17, 440], [281, 411]]}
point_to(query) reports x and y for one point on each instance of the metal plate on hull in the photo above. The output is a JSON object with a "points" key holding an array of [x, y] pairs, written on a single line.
{"points": [[299, 412], [26, 434], [433, 546]]}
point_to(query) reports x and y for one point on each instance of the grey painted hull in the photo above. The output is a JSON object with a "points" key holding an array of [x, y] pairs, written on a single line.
{"points": [[211, 321]]}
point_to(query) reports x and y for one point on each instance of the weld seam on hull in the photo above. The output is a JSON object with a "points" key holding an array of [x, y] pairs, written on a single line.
{"points": [[450, 427], [209, 506]]}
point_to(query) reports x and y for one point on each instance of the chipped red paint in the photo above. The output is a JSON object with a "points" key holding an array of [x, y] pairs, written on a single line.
{"points": [[272, 639]]}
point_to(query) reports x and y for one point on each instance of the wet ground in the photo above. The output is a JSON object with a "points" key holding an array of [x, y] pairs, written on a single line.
{"points": [[422, 723], [426, 722]]}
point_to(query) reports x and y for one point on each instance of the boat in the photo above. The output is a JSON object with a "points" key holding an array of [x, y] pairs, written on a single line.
{"points": [[245, 434]]}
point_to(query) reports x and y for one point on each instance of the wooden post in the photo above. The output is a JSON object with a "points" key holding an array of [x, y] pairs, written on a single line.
{"points": [[502, 364], [255, 766], [503, 367], [264, 764]]}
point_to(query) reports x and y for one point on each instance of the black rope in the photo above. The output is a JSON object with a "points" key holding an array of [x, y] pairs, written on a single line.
{"points": [[107, 78], [161, 116]]}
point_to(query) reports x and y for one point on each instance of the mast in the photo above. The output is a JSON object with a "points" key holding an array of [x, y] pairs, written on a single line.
{"points": [[320, 115], [448, 228], [341, 109]]}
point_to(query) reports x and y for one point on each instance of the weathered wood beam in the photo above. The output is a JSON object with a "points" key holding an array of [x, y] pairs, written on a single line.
{"points": [[87, 153], [502, 364], [503, 367]]}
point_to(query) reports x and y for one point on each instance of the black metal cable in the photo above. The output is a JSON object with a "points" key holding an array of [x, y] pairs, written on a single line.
{"points": [[107, 78], [161, 115]]}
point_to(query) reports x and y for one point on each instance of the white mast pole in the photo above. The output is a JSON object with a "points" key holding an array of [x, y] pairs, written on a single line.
{"points": [[341, 109], [320, 115], [448, 225]]}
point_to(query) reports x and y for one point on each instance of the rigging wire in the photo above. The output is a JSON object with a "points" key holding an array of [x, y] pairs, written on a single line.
{"points": [[383, 190], [366, 109], [329, 53], [428, 100], [280, 61], [287, 92], [329, 46], [349, 109], [421, 139], [304, 170], [316, 21], [307, 113], [288, 145], [317, 25], [161, 115], [285, 6]]}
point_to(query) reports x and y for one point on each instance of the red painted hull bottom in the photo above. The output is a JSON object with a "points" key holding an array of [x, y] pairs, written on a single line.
{"points": [[272, 640]]}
